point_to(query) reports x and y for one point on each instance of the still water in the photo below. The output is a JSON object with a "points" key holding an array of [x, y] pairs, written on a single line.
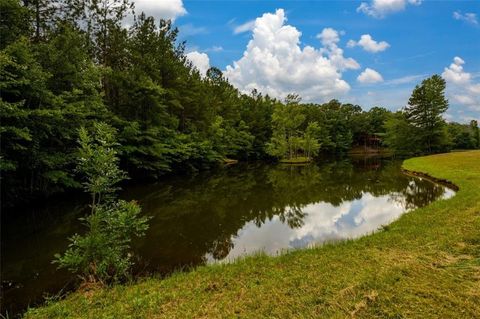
{"points": [[219, 216]]}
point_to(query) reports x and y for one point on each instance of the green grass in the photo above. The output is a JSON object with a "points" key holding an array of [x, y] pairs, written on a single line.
{"points": [[424, 265]]}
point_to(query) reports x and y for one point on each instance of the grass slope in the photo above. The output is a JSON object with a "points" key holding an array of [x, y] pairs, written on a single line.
{"points": [[425, 265]]}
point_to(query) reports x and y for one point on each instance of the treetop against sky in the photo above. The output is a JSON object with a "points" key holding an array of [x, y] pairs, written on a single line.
{"points": [[369, 53]]}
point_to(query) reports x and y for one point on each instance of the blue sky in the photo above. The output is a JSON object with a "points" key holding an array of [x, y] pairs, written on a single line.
{"points": [[370, 54]]}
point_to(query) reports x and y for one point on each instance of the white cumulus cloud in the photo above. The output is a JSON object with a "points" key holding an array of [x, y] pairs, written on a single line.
{"points": [[370, 76], [161, 9], [276, 64], [455, 74], [381, 8], [468, 17], [200, 61], [460, 85], [329, 38], [369, 44]]}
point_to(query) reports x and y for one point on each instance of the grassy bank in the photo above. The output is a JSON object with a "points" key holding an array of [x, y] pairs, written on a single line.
{"points": [[425, 265]]}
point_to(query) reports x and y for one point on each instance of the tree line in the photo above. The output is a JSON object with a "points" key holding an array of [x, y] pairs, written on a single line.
{"points": [[67, 64]]}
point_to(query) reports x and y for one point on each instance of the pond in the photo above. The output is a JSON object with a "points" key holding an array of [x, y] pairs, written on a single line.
{"points": [[218, 216]]}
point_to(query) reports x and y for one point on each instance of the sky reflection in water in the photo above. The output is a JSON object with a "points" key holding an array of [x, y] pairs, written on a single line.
{"points": [[322, 222]]}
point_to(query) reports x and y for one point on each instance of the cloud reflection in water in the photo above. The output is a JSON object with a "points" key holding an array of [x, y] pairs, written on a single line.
{"points": [[322, 222]]}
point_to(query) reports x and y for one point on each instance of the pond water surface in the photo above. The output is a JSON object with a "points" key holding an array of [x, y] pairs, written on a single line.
{"points": [[217, 217]]}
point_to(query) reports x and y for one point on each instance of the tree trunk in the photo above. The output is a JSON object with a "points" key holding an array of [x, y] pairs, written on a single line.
{"points": [[37, 20]]}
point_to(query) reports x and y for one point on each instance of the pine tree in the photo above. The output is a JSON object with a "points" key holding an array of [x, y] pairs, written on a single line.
{"points": [[424, 111]]}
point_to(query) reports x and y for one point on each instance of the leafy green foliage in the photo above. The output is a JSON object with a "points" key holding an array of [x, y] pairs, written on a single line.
{"points": [[311, 139], [45, 99], [13, 17], [103, 253], [286, 121], [401, 136], [463, 136], [98, 162]]}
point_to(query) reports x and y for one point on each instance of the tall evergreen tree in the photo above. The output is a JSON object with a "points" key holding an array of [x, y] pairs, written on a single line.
{"points": [[424, 111]]}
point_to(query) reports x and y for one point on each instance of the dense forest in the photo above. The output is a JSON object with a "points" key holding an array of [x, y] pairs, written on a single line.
{"points": [[68, 64]]}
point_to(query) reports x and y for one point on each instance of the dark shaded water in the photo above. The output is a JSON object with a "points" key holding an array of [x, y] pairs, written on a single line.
{"points": [[218, 216]]}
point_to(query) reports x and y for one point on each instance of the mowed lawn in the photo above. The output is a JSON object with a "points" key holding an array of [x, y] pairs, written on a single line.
{"points": [[424, 265]]}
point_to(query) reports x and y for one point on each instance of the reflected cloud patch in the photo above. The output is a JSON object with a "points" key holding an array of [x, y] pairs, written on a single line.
{"points": [[323, 222]]}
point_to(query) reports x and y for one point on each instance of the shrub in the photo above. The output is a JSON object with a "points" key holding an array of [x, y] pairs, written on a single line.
{"points": [[103, 254]]}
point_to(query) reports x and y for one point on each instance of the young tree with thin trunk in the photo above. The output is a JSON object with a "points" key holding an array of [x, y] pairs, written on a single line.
{"points": [[103, 253]]}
